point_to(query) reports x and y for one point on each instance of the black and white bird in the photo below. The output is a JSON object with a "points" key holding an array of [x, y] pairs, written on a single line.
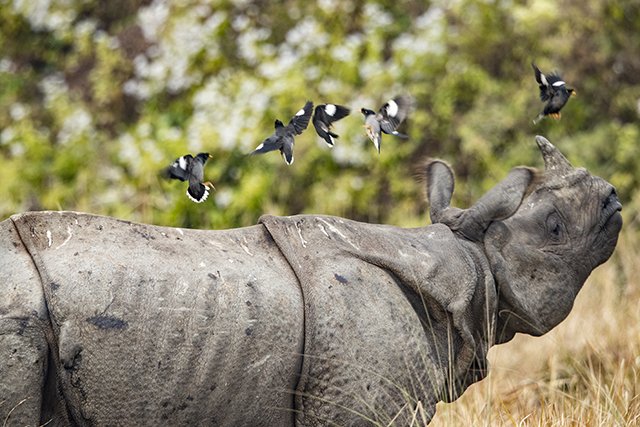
{"points": [[189, 168], [324, 116], [387, 120], [282, 138], [553, 91]]}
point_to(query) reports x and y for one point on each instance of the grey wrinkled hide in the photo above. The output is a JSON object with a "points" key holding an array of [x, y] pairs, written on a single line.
{"points": [[151, 325], [367, 284], [306, 320]]}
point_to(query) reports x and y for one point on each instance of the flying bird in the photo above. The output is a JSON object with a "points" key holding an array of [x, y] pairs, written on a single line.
{"points": [[282, 138], [554, 91], [324, 116], [387, 120], [189, 168]]}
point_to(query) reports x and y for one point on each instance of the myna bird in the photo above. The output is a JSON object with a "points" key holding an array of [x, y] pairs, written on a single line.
{"points": [[554, 91], [189, 168], [387, 119], [282, 138], [323, 116]]}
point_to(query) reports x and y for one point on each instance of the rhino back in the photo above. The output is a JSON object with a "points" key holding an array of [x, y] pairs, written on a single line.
{"points": [[166, 326]]}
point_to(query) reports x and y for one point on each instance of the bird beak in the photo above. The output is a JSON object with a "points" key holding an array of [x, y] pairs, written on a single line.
{"points": [[209, 184], [574, 93], [210, 156]]}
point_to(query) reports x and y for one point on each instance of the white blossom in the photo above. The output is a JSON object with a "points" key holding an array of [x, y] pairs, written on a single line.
{"points": [[128, 151], [347, 50], [74, 125], [329, 6], [7, 135], [153, 18], [7, 66], [46, 14], [425, 37], [348, 154], [53, 86], [84, 28], [18, 111], [223, 198], [375, 17], [137, 88], [227, 110], [249, 45], [168, 65]]}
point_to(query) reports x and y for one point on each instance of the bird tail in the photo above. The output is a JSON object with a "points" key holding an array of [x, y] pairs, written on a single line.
{"points": [[287, 154], [399, 135], [198, 192], [329, 137], [376, 142]]}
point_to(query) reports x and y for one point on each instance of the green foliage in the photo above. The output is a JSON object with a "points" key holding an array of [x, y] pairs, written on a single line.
{"points": [[97, 97]]}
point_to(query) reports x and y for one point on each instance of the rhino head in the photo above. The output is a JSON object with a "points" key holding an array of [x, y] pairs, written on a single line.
{"points": [[542, 232]]}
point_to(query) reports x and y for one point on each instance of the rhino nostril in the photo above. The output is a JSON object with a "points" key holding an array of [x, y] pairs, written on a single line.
{"points": [[612, 202]]}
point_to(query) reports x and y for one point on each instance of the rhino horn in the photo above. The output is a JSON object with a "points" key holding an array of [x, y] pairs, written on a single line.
{"points": [[554, 160]]}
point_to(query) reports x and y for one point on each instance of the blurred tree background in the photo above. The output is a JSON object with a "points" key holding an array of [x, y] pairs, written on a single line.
{"points": [[97, 96]]}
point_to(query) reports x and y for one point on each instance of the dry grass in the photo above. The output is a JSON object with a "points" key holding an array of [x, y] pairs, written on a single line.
{"points": [[586, 372]]}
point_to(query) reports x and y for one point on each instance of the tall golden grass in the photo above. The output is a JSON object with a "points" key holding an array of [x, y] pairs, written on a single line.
{"points": [[585, 372]]}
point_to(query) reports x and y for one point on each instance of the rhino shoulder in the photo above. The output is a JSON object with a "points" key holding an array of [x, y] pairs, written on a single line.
{"points": [[24, 324], [21, 294]]}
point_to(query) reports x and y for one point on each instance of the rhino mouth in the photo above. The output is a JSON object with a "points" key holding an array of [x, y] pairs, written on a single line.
{"points": [[611, 208]]}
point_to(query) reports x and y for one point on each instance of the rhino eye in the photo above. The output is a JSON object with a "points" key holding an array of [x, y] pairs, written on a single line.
{"points": [[555, 228]]}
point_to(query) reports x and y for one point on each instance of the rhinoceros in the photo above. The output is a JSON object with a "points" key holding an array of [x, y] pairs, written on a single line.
{"points": [[304, 320]]}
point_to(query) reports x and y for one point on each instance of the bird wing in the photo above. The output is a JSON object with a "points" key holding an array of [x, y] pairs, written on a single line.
{"points": [[546, 90], [320, 125], [393, 112], [300, 121], [322, 129], [540, 78], [320, 122], [555, 80], [179, 169], [334, 112], [324, 115], [274, 142], [555, 90]]}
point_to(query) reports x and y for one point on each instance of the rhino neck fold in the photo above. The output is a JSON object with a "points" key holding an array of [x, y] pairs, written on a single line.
{"points": [[411, 289], [302, 368], [61, 410]]}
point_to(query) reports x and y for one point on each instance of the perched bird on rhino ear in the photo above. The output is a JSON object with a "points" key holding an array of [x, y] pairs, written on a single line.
{"points": [[189, 168], [387, 120], [282, 138], [324, 116], [554, 91]]}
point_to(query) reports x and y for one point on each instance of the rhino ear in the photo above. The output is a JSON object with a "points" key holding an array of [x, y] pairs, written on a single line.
{"points": [[499, 203], [504, 199], [440, 184]]}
